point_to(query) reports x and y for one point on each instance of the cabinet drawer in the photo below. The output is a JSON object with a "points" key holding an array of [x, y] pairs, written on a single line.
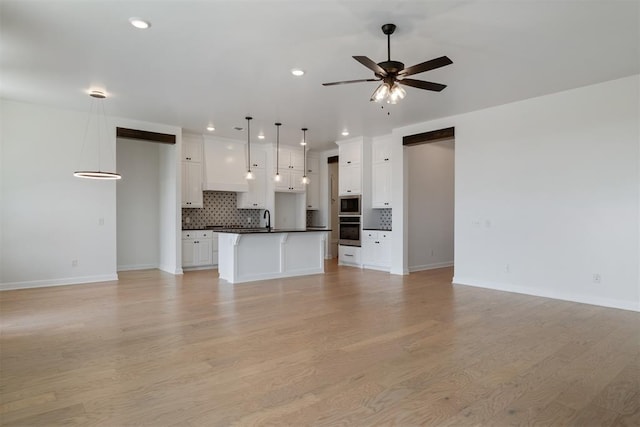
{"points": [[349, 254], [204, 234], [191, 234]]}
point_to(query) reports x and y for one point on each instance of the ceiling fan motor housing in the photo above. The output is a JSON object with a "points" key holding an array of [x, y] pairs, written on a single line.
{"points": [[391, 67]]}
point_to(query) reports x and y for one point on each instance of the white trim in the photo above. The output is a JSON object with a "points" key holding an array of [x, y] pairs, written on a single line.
{"points": [[376, 267], [138, 267], [430, 266], [170, 269], [200, 267], [603, 302], [57, 282]]}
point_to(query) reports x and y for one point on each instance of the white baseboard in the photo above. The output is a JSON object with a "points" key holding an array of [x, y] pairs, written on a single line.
{"points": [[603, 302], [57, 282], [171, 269], [137, 267], [430, 266]]}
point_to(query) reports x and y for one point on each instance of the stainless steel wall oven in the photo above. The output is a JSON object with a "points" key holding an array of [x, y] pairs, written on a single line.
{"points": [[350, 230]]}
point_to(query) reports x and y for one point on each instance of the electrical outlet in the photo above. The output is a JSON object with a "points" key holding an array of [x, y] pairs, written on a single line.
{"points": [[100, 221], [249, 220], [187, 220], [507, 268], [74, 263], [596, 278]]}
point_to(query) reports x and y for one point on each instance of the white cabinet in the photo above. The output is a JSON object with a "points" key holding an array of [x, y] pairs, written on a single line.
{"points": [[350, 168], [199, 248], [192, 185], [381, 174], [256, 197], [290, 182], [313, 188], [290, 159], [350, 153], [376, 249], [313, 191], [313, 165], [381, 185], [350, 180], [382, 151], [349, 255], [191, 171], [191, 148]]}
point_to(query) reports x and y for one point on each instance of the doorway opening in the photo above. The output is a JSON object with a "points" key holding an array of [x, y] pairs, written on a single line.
{"points": [[431, 189]]}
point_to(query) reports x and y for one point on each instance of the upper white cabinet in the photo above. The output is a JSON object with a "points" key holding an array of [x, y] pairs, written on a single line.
{"points": [[290, 159], [256, 197], [350, 153], [350, 168], [313, 165], [191, 148], [313, 188], [192, 185], [191, 171], [381, 174], [382, 150], [290, 182], [225, 165]]}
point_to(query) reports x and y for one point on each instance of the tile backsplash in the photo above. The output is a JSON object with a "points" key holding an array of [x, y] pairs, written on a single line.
{"points": [[382, 217], [220, 208]]}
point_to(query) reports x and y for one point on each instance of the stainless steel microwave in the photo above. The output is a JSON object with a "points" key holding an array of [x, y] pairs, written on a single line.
{"points": [[350, 205]]}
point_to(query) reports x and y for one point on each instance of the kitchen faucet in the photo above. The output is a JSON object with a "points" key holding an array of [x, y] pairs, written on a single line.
{"points": [[267, 215]]}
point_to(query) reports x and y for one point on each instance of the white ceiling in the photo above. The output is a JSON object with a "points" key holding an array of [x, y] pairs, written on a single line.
{"points": [[218, 61]]}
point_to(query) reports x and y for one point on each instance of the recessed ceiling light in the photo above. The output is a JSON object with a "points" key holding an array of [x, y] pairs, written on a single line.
{"points": [[345, 133], [261, 136], [297, 72], [210, 128], [140, 23]]}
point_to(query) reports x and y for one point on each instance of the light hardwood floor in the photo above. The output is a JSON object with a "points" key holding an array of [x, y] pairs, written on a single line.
{"points": [[350, 347]]}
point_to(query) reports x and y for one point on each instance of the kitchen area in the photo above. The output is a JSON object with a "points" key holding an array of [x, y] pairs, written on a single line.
{"points": [[221, 209]]}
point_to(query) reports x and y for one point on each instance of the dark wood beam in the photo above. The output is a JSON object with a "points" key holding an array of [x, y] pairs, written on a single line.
{"points": [[163, 138], [427, 137]]}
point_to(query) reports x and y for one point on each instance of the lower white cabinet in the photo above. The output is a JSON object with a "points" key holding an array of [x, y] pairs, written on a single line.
{"points": [[349, 255], [376, 249], [199, 248]]}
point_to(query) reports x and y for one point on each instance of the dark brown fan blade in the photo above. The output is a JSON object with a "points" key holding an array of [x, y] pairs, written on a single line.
{"points": [[420, 84], [350, 81], [371, 65], [426, 66]]}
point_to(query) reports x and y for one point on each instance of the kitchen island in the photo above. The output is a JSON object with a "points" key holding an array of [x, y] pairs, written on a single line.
{"points": [[246, 255]]}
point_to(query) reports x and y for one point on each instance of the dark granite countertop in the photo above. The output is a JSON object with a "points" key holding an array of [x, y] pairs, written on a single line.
{"points": [[265, 231], [376, 229], [256, 230]]}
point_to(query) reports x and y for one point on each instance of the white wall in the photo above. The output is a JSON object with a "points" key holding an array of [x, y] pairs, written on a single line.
{"points": [[138, 204], [431, 206], [547, 195], [50, 218]]}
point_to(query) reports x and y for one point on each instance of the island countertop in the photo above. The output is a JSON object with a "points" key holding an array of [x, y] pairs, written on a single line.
{"points": [[273, 230]]}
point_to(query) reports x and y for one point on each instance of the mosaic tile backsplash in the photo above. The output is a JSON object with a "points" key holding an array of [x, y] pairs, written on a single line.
{"points": [[383, 217], [220, 208]]}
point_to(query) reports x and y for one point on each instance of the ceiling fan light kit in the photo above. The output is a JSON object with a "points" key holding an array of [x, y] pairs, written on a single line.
{"points": [[393, 74]]}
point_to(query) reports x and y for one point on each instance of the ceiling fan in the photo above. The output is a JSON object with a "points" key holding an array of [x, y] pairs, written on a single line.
{"points": [[393, 73]]}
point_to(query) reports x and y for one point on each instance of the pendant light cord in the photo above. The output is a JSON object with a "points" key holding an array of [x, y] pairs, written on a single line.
{"points": [[248, 143], [278, 148]]}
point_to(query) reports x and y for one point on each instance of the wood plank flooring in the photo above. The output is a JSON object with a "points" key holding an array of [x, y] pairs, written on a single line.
{"points": [[351, 347]]}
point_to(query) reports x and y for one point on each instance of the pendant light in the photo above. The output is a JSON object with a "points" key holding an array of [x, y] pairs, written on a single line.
{"points": [[305, 179], [249, 173], [277, 178], [96, 101]]}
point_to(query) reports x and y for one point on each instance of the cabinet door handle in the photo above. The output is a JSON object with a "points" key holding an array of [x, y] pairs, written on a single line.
{"points": [[349, 162], [348, 255], [348, 191], [386, 160]]}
